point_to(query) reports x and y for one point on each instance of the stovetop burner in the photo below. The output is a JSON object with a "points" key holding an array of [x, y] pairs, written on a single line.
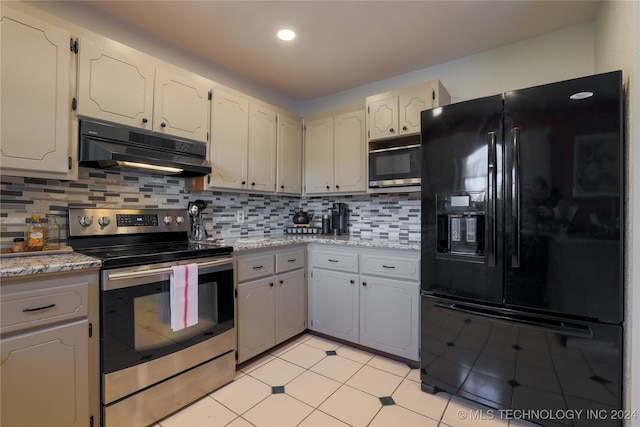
{"points": [[123, 238]]}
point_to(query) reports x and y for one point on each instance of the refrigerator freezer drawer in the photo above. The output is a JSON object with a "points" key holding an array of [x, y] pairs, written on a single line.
{"points": [[507, 363]]}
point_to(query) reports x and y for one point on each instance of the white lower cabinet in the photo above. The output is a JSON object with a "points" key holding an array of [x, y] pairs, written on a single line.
{"points": [[367, 296], [271, 299]]}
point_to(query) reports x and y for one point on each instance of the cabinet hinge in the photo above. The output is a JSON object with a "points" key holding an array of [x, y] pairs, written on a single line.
{"points": [[210, 95], [90, 330], [368, 109], [209, 179], [74, 104], [236, 355], [433, 95], [73, 46], [70, 160], [91, 421], [235, 292]]}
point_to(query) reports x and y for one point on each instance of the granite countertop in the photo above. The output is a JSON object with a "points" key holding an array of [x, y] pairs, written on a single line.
{"points": [[248, 243], [50, 263]]}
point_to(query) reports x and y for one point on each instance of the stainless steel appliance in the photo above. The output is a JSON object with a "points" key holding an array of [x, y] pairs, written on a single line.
{"points": [[198, 231], [395, 162], [149, 370], [110, 146], [522, 251], [340, 218]]}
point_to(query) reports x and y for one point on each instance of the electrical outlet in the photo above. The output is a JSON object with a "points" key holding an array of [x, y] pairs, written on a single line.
{"points": [[240, 217]]}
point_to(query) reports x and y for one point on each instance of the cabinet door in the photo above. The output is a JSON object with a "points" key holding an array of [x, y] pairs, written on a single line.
{"points": [[410, 107], [115, 84], [350, 167], [383, 118], [389, 316], [318, 156], [44, 376], [262, 148], [181, 106], [290, 305], [256, 317], [35, 94], [334, 304], [289, 164], [229, 140]]}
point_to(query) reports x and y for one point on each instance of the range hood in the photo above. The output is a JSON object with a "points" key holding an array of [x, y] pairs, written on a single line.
{"points": [[111, 146]]}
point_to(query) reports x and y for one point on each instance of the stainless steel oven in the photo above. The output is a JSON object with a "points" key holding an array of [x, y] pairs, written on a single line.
{"points": [[394, 163], [148, 370]]}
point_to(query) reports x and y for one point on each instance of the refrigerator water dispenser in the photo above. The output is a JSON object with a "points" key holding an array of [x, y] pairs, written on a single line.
{"points": [[461, 219]]}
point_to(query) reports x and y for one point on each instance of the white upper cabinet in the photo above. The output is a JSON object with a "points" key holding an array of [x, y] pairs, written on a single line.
{"points": [[397, 113], [263, 130], [335, 154], [182, 105], [289, 162], [36, 92], [115, 84], [229, 140], [121, 85]]}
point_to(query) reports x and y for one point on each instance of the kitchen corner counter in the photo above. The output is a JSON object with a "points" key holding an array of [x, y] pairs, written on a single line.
{"points": [[40, 264], [249, 243]]}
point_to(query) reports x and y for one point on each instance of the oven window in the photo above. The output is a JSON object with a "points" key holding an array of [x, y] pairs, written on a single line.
{"points": [[136, 322]]}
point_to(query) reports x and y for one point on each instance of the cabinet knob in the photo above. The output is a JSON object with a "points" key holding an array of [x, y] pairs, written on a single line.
{"points": [[163, 125], [364, 283], [328, 188], [282, 186], [352, 281], [337, 187], [243, 182], [271, 284], [281, 282], [392, 130], [144, 120], [404, 128], [253, 183]]}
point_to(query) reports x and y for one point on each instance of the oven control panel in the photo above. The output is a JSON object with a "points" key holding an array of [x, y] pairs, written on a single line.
{"points": [[101, 222]]}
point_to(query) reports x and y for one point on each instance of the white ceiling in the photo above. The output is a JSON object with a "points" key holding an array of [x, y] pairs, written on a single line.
{"points": [[341, 44]]}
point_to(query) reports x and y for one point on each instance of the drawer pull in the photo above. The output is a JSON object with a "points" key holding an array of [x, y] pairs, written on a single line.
{"points": [[333, 260], [258, 267], [388, 266], [29, 310], [291, 260]]}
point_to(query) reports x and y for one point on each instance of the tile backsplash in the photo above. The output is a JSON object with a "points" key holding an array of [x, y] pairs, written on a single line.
{"points": [[393, 216]]}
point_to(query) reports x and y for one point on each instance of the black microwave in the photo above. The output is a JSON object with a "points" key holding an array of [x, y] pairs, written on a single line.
{"points": [[394, 163]]}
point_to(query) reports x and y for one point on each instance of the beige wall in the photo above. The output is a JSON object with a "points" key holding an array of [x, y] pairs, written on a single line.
{"points": [[617, 47]]}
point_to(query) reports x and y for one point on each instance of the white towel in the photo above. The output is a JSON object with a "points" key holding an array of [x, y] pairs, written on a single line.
{"points": [[184, 296]]}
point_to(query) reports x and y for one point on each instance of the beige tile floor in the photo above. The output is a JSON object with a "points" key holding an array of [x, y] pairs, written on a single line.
{"points": [[303, 383]]}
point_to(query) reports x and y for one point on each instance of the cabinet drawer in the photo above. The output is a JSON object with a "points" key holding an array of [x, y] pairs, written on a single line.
{"points": [[289, 260], [394, 267], [345, 261], [255, 266], [22, 310]]}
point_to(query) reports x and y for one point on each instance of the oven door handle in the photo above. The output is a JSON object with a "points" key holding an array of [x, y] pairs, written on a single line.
{"points": [[163, 270]]}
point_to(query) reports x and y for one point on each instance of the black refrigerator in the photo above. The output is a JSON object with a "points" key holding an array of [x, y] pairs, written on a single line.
{"points": [[523, 250]]}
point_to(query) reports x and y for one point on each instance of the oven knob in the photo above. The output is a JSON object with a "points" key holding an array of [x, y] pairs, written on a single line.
{"points": [[104, 221], [167, 220], [85, 221], [180, 219]]}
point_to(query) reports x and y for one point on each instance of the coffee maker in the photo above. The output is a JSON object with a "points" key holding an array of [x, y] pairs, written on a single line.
{"points": [[340, 218], [198, 231]]}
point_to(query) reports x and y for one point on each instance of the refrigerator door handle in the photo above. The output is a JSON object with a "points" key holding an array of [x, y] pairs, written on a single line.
{"points": [[491, 223], [515, 197], [550, 325]]}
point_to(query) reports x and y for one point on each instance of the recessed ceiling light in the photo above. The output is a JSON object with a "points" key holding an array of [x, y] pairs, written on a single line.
{"points": [[581, 95], [286, 35]]}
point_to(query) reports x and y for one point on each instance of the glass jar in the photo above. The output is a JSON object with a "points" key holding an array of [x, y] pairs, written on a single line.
{"points": [[35, 234], [52, 233]]}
